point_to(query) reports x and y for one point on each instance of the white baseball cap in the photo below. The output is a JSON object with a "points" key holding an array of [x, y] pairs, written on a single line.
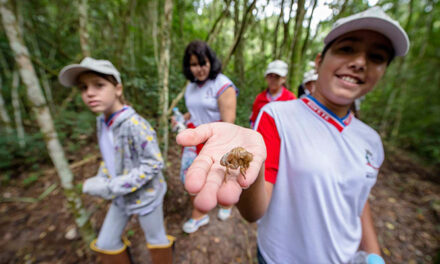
{"points": [[374, 19], [310, 76], [278, 67], [69, 75]]}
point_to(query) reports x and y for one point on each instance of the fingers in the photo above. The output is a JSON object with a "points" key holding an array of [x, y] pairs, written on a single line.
{"points": [[197, 173], [206, 199], [193, 137], [229, 193]]}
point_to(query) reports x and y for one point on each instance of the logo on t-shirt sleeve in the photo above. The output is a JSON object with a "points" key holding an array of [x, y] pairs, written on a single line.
{"points": [[373, 170]]}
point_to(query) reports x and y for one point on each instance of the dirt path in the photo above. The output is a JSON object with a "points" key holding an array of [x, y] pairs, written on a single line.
{"points": [[404, 203]]}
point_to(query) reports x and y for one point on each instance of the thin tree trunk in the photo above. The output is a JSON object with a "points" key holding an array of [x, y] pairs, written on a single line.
{"points": [[152, 14], [238, 37], [402, 98], [390, 102], [4, 113], [218, 24], [44, 80], [275, 34], [165, 66], [83, 32], [286, 25], [309, 23], [17, 111], [44, 119], [295, 58], [238, 56], [263, 31]]}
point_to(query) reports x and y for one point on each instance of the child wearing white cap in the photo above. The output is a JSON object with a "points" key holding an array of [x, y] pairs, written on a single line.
{"points": [[308, 84], [275, 76], [130, 174], [311, 192]]}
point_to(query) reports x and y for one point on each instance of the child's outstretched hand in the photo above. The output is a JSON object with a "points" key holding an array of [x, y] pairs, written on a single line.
{"points": [[205, 177]]}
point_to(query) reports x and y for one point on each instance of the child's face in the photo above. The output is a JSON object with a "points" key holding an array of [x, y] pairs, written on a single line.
{"points": [[274, 81], [200, 72], [352, 66], [100, 95]]}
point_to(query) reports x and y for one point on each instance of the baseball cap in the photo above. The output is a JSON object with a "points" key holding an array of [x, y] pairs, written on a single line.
{"points": [[68, 75], [374, 19], [278, 67], [310, 76]]}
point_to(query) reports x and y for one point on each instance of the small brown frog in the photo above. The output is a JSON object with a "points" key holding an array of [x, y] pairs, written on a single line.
{"points": [[237, 157]]}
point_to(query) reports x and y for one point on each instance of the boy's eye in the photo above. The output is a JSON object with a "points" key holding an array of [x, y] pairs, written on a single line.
{"points": [[346, 49], [82, 87], [377, 58]]}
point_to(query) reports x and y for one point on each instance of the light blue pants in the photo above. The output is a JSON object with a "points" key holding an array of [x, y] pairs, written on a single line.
{"points": [[115, 221]]}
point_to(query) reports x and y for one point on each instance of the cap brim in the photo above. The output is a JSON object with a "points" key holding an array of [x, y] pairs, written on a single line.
{"points": [[276, 72], [394, 33], [69, 75]]}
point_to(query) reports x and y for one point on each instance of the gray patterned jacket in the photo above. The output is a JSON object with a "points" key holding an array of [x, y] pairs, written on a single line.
{"points": [[139, 185]]}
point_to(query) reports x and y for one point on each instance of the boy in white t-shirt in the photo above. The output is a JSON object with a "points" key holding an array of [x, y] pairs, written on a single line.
{"points": [[311, 192]]}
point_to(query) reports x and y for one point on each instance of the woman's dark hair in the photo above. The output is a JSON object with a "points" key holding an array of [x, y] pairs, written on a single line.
{"points": [[202, 51], [327, 47]]}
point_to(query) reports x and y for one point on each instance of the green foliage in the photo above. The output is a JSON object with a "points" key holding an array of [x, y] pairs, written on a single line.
{"points": [[32, 178], [12, 156], [122, 31]]}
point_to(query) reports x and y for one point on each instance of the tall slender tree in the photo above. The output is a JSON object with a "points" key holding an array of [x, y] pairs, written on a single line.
{"points": [[295, 56], [83, 31], [17, 111], [4, 113], [44, 119], [164, 65]]}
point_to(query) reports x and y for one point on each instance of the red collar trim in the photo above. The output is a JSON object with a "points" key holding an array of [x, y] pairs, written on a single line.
{"points": [[328, 116]]}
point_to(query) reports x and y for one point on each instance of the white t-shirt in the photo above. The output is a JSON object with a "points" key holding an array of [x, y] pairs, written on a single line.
{"points": [[202, 101], [322, 172]]}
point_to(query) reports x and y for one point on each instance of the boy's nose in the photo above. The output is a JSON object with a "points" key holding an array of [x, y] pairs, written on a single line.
{"points": [[359, 62]]}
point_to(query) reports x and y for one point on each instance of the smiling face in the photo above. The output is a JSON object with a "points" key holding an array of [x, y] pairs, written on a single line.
{"points": [[352, 66], [274, 82], [99, 94], [200, 72]]}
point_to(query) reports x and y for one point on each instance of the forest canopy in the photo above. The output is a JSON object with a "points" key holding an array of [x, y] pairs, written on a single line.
{"points": [[246, 35]]}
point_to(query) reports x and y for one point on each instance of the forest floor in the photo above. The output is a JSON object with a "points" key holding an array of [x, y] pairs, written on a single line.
{"points": [[405, 204]]}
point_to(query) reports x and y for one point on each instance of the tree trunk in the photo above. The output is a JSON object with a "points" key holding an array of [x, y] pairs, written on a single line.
{"points": [[17, 111], [4, 113], [238, 56], [238, 37], [44, 119], [275, 34], [309, 23], [152, 14], [83, 32], [218, 24], [44, 80], [165, 68], [383, 130], [284, 43], [295, 58]]}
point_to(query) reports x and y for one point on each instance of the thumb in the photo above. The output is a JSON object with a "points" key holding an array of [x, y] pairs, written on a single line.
{"points": [[194, 136]]}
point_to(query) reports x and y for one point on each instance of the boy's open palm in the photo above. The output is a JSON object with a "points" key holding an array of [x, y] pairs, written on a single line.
{"points": [[205, 177]]}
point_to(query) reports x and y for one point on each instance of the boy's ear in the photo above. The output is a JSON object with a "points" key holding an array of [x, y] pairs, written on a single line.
{"points": [[119, 89], [318, 61]]}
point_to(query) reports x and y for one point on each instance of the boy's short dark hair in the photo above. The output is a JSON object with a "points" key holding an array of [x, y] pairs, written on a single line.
{"points": [[201, 50]]}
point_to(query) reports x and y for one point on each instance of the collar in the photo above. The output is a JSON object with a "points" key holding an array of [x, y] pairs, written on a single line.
{"points": [[110, 120], [326, 114], [271, 98]]}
